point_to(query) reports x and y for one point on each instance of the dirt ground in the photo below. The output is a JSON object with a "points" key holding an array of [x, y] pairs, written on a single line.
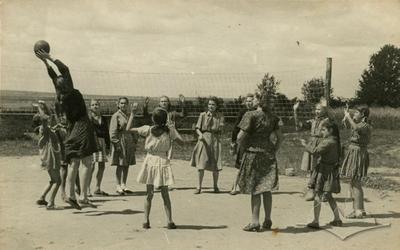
{"points": [[206, 221]]}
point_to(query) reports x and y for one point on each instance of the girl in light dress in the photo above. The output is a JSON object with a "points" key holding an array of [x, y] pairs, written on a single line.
{"points": [[156, 170], [50, 152]]}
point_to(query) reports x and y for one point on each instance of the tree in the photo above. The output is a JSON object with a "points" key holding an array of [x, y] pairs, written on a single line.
{"points": [[313, 90], [269, 87], [380, 83]]}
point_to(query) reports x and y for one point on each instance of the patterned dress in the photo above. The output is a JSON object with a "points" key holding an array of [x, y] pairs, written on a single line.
{"points": [[258, 170], [356, 161], [123, 142], [207, 152], [325, 176], [309, 161]]}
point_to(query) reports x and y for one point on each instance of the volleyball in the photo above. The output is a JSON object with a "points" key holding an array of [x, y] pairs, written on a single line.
{"points": [[41, 45]]}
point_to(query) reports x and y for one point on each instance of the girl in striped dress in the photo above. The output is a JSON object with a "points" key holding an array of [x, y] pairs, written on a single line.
{"points": [[103, 141], [356, 161]]}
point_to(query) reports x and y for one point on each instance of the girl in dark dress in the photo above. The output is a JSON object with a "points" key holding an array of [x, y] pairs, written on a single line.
{"points": [[258, 174], [80, 142], [325, 176]]}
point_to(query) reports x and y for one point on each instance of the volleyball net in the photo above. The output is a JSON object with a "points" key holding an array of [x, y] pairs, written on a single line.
{"points": [[290, 102]]}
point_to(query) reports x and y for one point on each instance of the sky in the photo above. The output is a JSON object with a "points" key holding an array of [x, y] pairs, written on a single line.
{"points": [[194, 48]]}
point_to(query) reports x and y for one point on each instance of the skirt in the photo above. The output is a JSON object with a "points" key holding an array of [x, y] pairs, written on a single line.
{"points": [[258, 173], [325, 178], [80, 141], [207, 153], [157, 171], [101, 155], [124, 154], [355, 163]]}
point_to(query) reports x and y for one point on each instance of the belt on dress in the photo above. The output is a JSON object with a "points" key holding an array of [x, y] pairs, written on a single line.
{"points": [[256, 150]]}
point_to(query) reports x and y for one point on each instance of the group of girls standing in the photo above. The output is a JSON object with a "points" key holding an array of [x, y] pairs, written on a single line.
{"points": [[256, 139], [324, 160]]}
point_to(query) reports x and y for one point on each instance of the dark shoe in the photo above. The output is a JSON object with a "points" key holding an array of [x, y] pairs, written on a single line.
{"points": [[146, 225], [51, 207], [363, 213], [41, 202], [87, 202], [216, 190], [313, 225], [336, 223], [198, 191], [171, 225], [100, 193], [127, 191], [73, 203], [252, 228], [267, 224], [120, 192]]}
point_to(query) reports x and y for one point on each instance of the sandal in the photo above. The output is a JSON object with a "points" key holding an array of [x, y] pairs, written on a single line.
{"points": [[198, 191], [42, 202], [336, 223], [146, 225], [313, 225], [252, 228], [354, 215], [267, 224], [171, 225]]}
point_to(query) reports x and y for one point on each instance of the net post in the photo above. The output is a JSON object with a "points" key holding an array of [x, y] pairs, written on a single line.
{"points": [[328, 80]]}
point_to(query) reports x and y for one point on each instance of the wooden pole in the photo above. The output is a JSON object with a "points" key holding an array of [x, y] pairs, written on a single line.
{"points": [[328, 79]]}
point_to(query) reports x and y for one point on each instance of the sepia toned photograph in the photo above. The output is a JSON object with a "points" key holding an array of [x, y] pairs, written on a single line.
{"points": [[214, 124]]}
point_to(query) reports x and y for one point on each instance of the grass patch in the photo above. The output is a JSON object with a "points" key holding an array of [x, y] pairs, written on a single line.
{"points": [[384, 152]]}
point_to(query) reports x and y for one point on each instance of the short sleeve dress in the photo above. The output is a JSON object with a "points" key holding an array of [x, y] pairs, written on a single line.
{"points": [[258, 171], [207, 153], [156, 169], [123, 143]]}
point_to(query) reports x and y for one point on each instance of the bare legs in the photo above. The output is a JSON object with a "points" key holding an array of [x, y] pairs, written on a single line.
{"points": [[358, 198], [201, 177], [121, 174], [148, 202], [99, 175]]}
